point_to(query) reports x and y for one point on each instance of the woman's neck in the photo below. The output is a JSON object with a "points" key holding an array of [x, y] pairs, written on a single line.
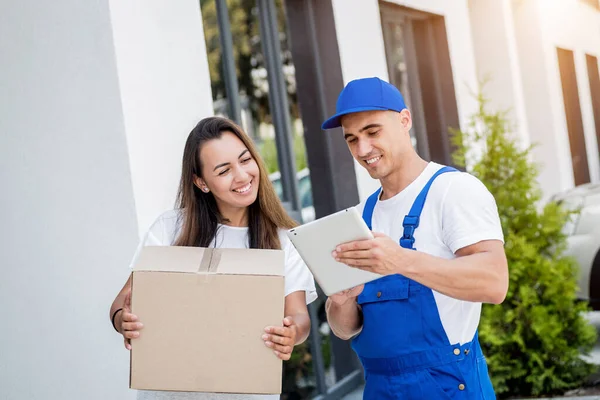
{"points": [[237, 217]]}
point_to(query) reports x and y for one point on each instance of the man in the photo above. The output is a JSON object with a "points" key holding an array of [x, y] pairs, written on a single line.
{"points": [[439, 244]]}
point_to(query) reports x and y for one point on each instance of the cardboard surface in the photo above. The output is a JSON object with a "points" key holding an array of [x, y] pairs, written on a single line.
{"points": [[204, 312]]}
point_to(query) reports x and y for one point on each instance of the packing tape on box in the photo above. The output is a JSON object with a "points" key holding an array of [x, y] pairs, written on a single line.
{"points": [[210, 261], [205, 262], [215, 260]]}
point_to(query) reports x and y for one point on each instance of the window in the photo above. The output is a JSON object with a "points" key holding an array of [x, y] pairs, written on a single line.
{"points": [[568, 76], [594, 81], [418, 59]]}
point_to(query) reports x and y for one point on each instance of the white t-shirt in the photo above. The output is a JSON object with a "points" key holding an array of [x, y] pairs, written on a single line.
{"points": [[164, 232], [459, 211]]}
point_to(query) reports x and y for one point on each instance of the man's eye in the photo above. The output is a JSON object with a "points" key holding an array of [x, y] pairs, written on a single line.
{"points": [[351, 140], [373, 133]]}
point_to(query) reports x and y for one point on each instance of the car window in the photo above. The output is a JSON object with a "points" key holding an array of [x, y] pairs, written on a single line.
{"points": [[573, 204], [305, 192], [278, 188]]}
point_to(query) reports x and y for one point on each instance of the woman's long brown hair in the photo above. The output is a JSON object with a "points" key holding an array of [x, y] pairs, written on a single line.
{"points": [[199, 212]]}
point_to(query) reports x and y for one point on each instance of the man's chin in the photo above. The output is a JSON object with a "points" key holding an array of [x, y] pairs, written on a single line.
{"points": [[374, 174]]}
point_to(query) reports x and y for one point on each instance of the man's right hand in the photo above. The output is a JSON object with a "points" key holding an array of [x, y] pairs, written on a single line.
{"points": [[344, 296], [130, 326], [343, 313]]}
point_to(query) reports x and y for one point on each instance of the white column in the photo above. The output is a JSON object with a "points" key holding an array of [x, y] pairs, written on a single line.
{"points": [[497, 60], [165, 90], [362, 55], [360, 39]]}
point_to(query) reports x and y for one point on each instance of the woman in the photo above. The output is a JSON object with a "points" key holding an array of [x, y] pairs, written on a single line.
{"points": [[226, 200]]}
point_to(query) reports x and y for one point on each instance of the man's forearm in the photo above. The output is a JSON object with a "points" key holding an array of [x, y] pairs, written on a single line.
{"points": [[479, 277], [346, 320]]}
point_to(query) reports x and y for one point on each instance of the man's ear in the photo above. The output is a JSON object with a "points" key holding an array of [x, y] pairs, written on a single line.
{"points": [[200, 184], [406, 119]]}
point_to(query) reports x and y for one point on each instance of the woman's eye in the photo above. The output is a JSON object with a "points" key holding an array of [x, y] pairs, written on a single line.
{"points": [[246, 160], [224, 172]]}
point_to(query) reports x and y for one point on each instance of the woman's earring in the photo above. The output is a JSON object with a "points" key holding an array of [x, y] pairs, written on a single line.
{"points": [[205, 189]]}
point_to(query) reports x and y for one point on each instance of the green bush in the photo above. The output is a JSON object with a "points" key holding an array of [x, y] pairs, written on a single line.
{"points": [[268, 151], [534, 340], [300, 366]]}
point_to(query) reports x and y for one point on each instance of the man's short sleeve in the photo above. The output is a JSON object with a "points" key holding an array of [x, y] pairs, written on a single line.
{"points": [[469, 213]]}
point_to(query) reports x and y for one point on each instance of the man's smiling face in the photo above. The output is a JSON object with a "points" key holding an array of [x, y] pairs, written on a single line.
{"points": [[378, 139]]}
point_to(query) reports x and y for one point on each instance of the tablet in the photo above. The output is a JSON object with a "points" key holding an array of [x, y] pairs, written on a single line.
{"points": [[316, 240]]}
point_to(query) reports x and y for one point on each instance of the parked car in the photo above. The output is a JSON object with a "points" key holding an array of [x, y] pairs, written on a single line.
{"points": [[304, 192], [583, 231]]}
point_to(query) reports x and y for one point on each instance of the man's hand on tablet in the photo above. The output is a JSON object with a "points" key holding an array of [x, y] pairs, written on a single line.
{"points": [[380, 255]]}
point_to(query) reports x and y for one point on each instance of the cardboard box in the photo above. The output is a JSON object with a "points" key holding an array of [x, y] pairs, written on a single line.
{"points": [[204, 312]]}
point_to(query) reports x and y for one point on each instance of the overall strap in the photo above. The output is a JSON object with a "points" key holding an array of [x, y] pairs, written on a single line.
{"points": [[367, 214], [411, 221]]}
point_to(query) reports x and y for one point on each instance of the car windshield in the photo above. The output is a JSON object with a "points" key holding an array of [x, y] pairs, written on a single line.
{"points": [[278, 188], [572, 204], [304, 190]]}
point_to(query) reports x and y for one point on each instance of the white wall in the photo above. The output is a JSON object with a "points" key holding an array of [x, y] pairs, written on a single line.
{"points": [[362, 52], [70, 115], [540, 27], [572, 25], [67, 211], [163, 70]]}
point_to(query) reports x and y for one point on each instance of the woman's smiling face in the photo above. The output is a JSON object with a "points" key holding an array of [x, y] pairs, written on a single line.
{"points": [[229, 171]]}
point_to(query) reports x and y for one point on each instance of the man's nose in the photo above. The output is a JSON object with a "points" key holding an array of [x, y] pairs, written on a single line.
{"points": [[364, 148]]}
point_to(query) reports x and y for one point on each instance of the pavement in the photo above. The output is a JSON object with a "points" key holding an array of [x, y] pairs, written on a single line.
{"points": [[594, 357]]}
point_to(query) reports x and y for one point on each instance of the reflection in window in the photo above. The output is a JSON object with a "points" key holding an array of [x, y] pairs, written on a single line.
{"points": [[397, 64], [252, 76]]}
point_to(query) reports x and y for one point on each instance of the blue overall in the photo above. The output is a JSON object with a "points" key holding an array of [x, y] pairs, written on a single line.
{"points": [[403, 347]]}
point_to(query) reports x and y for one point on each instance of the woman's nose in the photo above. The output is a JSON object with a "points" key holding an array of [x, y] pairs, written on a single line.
{"points": [[241, 174]]}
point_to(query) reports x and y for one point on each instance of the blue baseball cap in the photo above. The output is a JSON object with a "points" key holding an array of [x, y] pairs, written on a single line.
{"points": [[366, 94]]}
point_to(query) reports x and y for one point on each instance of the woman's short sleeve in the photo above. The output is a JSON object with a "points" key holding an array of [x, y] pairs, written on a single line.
{"points": [[162, 232], [297, 275]]}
